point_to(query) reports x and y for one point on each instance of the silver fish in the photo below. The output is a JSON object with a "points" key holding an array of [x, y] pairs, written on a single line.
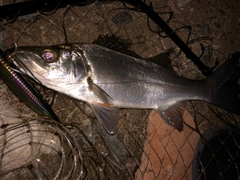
{"points": [[109, 80]]}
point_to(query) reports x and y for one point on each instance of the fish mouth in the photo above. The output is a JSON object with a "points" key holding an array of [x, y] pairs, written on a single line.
{"points": [[19, 59], [28, 63]]}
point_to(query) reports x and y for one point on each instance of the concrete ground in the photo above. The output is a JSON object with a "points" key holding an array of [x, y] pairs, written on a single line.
{"points": [[145, 147]]}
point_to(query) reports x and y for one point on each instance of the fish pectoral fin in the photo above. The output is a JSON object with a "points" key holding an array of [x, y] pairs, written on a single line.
{"points": [[99, 92], [107, 115], [173, 115]]}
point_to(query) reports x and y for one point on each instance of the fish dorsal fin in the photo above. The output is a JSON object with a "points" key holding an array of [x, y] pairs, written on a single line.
{"points": [[173, 115], [163, 60], [116, 43], [99, 92], [107, 115]]}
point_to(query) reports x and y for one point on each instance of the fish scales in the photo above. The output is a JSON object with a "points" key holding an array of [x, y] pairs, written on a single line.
{"points": [[136, 83], [109, 80]]}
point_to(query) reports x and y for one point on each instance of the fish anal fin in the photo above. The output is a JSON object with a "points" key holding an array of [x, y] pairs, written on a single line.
{"points": [[107, 115], [173, 115]]}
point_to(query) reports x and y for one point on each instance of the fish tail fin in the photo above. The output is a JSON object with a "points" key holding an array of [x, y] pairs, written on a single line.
{"points": [[224, 89]]}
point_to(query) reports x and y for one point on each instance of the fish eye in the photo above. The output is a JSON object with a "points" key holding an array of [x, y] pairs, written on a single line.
{"points": [[49, 55]]}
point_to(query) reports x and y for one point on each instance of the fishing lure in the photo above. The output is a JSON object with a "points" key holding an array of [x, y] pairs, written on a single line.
{"points": [[23, 90]]}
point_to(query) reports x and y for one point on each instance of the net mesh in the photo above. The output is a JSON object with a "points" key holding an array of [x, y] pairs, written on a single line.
{"points": [[144, 147]]}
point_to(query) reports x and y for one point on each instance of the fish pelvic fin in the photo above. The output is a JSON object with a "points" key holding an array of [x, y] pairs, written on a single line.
{"points": [[224, 87], [107, 115], [173, 115]]}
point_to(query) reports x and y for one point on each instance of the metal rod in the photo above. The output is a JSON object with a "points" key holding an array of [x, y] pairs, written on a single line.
{"points": [[141, 6], [12, 11]]}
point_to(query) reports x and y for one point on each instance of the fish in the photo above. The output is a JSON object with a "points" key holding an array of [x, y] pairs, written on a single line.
{"points": [[23, 89], [109, 80]]}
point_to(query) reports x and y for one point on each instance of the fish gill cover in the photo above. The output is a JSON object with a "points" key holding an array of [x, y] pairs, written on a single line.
{"points": [[144, 147]]}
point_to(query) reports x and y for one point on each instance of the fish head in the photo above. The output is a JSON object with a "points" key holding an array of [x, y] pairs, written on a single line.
{"points": [[59, 65]]}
